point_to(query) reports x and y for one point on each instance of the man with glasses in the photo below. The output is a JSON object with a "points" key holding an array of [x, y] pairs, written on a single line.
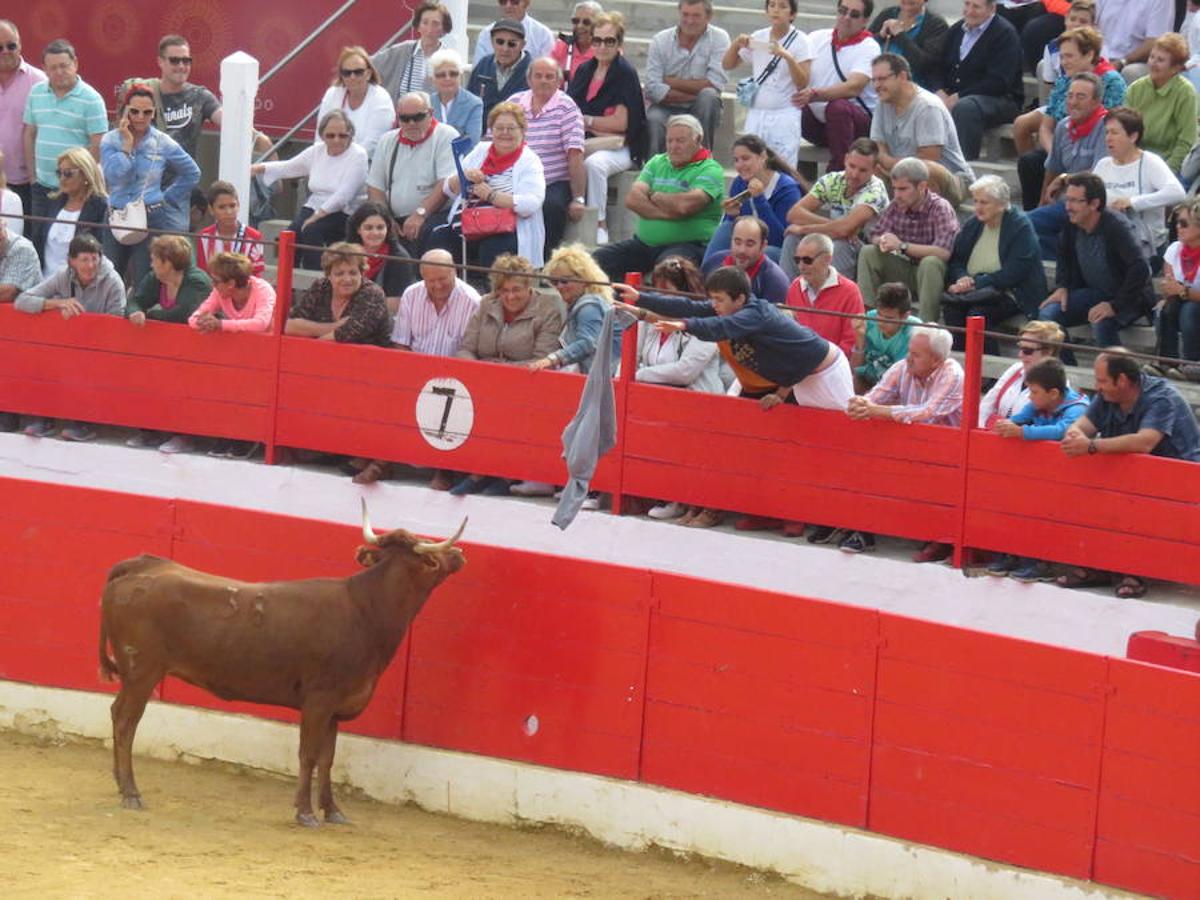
{"points": [[61, 113], [498, 76], [539, 40], [408, 169], [684, 73], [555, 134], [17, 78], [839, 100], [980, 79], [574, 49], [910, 121], [820, 289], [183, 107]]}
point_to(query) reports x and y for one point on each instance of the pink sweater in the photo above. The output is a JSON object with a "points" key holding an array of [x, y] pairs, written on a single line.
{"points": [[254, 316]]}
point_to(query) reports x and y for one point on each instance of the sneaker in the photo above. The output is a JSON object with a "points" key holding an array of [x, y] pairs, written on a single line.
{"points": [[532, 489], [825, 534], [40, 428], [672, 510], [243, 449], [179, 443], [221, 449], [142, 439], [1031, 572], [496, 487], [1003, 565], [9, 422], [470, 484], [79, 432], [591, 501], [858, 542]]}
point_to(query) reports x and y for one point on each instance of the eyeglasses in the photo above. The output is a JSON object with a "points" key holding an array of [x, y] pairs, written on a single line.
{"points": [[139, 112], [505, 42], [446, 74], [179, 60], [1023, 350], [851, 13], [1183, 223], [11, 46], [336, 135], [808, 260], [606, 41], [505, 129], [581, 21], [357, 73], [66, 173], [414, 117]]}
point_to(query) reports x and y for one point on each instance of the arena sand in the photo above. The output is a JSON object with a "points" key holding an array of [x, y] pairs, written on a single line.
{"points": [[214, 830]]}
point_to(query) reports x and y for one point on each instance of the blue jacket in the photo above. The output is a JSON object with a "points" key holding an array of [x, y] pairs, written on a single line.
{"points": [[466, 114], [483, 81], [1040, 426], [774, 211], [129, 176], [761, 338], [1021, 271], [769, 282], [585, 319]]}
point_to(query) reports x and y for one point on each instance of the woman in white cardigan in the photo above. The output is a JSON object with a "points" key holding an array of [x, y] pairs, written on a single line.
{"points": [[357, 92], [336, 169], [506, 174]]}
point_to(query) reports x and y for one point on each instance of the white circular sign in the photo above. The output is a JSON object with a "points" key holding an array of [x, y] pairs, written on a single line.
{"points": [[445, 413]]}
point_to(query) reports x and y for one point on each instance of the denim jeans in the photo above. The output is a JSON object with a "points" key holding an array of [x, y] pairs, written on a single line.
{"points": [[1106, 332], [137, 256], [1178, 321], [1049, 222]]}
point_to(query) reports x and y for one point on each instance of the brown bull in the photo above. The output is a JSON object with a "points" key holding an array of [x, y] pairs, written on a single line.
{"points": [[318, 645]]}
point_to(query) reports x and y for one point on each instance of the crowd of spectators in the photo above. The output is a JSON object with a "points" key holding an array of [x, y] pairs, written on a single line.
{"points": [[421, 161]]}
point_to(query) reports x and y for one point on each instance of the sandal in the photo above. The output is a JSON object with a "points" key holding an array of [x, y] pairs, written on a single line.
{"points": [[1080, 578], [1130, 587], [372, 472]]}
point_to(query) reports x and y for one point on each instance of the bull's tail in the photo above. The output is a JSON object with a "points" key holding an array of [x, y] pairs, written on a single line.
{"points": [[108, 666]]}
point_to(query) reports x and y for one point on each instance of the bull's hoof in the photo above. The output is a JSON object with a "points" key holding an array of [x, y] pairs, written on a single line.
{"points": [[132, 801], [308, 820], [336, 817]]}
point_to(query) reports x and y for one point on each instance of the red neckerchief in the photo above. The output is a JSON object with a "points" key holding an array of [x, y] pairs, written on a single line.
{"points": [[1012, 379], [701, 155], [374, 265], [1103, 67], [751, 273], [1077, 131], [428, 131], [495, 163], [838, 44], [1189, 261]]}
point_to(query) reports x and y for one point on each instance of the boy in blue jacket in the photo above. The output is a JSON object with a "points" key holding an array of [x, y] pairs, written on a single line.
{"points": [[1053, 405]]}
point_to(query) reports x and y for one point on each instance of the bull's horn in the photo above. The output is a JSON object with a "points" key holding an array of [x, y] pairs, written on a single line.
{"points": [[435, 547], [368, 535]]}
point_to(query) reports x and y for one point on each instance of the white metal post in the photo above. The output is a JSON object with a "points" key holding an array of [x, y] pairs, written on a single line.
{"points": [[239, 88]]}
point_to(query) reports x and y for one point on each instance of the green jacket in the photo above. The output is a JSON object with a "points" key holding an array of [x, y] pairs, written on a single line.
{"points": [[196, 285], [1169, 113]]}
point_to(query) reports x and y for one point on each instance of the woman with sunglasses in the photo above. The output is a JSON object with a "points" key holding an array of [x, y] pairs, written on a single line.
{"points": [[1177, 313], [572, 50], [356, 91], [135, 158], [1036, 341], [79, 206], [608, 92], [452, 103], [336, 169], [407, 66]]}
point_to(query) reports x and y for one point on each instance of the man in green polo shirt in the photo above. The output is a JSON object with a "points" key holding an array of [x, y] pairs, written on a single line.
{"points": [[678, 202], [61, 113]]}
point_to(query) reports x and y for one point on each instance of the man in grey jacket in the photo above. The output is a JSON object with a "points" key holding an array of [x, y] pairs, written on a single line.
{"points": [[88, 284]]}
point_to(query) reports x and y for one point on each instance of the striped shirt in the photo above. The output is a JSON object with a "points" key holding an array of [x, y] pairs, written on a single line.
{"points": [[244, 241], [62, 123], [421, 328], [413, 78], [933, 400], [552, 132]]}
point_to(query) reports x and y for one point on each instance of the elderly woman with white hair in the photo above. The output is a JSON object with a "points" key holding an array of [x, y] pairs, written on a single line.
{"points": [[995, 268], [926, 387], [574, 48], [452, 103]]}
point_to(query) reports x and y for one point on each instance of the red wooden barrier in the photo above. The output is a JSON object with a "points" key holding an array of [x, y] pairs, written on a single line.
{"points": [[1032, 755]]}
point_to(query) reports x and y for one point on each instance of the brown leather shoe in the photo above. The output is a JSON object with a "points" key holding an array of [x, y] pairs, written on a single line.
{"points": [[375, 470], [441, 480]]}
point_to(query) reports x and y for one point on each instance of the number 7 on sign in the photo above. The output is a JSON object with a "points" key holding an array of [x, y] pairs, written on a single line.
{"points": [[445, 413]]}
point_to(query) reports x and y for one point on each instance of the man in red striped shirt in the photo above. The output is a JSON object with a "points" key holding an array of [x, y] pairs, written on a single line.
{"points": [[555, 134]]}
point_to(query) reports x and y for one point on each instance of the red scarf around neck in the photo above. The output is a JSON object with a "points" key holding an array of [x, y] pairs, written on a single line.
{"points": [[751, 272], [1189, 261], [701, 155], [1077, 131], [422, 139], [374, 265], [495, 163], [1103, 67], [838, 43]]}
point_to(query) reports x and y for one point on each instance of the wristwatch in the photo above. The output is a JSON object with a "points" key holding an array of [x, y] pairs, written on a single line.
{"points": [[904, 247], [421, 211], [1092, 445], [582, 201]]}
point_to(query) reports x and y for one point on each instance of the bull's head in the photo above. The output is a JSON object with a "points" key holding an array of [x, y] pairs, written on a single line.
{"points": [[433, 554]]}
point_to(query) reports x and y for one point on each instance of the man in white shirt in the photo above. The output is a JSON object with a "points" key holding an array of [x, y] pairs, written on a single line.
{"points": [[539, 40]]}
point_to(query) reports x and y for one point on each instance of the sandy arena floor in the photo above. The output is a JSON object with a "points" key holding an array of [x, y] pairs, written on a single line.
{"points": [[218, 830]]}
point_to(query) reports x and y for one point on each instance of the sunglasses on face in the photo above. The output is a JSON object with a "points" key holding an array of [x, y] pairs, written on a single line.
{"points": [[808, 260], [581, 21], [1027, 351], [179, 60], [850, 13], [347, 73], [446, 74], [414, 117], [505, 42], [606, 41], [1183, 223], [139, 112], [66, 173], [336, 135], [11, 46]]}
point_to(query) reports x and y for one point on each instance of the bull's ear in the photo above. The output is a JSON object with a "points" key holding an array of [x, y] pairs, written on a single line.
{"points": [[431, 561], [368, 556]]}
